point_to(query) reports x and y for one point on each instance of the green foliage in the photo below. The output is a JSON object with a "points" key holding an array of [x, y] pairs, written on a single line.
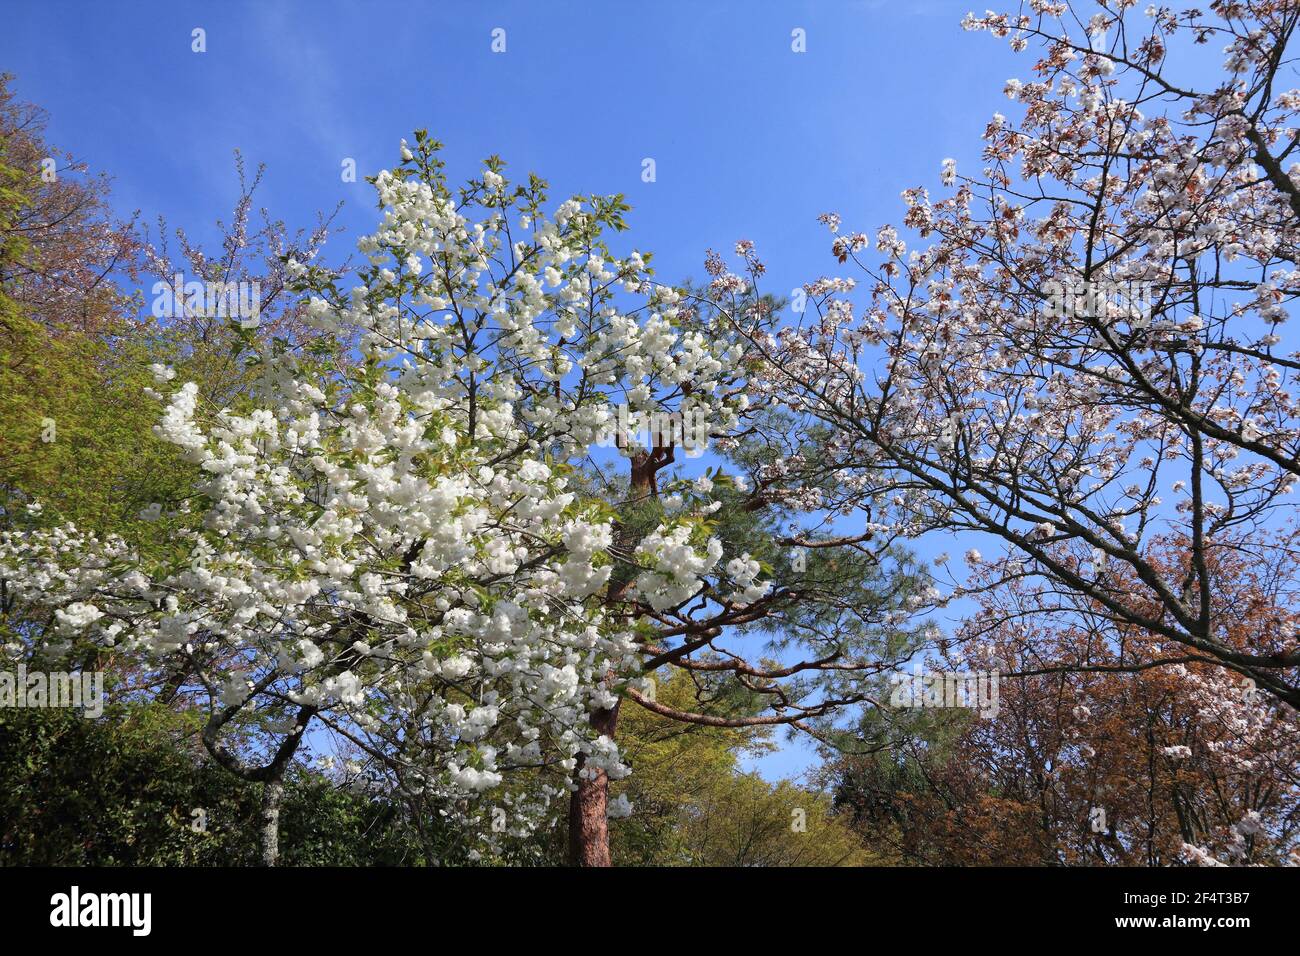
{"points": [[78, 427], [122, 790], [322, 824], [750, 822], [693, 807]]}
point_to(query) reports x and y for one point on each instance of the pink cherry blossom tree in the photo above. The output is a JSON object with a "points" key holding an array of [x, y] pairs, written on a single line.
{"points": [[1089, 353]]}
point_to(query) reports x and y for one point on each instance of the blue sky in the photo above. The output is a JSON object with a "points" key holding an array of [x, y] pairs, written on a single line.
{"points": [[750, 139]]}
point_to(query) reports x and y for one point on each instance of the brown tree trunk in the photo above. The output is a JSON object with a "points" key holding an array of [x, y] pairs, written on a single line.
{"points": [[588, 823], [588, 805]]}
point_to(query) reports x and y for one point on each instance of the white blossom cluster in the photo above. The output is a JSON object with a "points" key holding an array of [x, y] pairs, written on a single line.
{"points": [[394, 545]]}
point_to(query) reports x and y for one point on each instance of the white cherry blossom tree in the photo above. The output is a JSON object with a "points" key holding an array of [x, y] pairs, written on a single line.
{"points": [[451, 526]]}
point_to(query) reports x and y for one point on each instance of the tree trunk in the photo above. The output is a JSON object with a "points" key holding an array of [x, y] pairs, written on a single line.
{"points": [[272, 795], [588, 804], [588, 823]]}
